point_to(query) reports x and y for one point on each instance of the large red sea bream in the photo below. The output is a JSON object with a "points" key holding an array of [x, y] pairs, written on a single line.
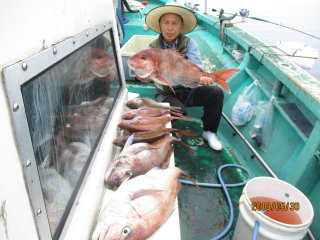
{"points": [[168, 67]]}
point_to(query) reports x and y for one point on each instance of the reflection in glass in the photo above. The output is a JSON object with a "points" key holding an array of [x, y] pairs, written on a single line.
{"points": [[66, 109]]}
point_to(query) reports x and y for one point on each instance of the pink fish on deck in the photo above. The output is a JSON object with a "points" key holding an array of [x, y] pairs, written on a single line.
{"points": [[168, 67], [95, 63]]}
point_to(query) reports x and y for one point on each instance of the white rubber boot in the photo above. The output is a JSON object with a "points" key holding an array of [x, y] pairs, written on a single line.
{"points": [[213, 142]]}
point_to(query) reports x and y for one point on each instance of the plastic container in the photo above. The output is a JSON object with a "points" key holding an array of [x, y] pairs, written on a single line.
{"points": [[135, 44], [270, 228], [242, 113], [238, 54], [302, 54]]}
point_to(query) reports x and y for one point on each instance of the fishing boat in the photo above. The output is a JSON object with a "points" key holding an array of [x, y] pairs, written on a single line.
{"points": [[50, 70]]}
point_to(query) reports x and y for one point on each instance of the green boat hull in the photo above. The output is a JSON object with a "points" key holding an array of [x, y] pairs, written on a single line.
{"points": [[293, 152]]}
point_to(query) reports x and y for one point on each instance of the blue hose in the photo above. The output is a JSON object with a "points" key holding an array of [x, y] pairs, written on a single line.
{"points": [[224, 186], [256, 230]]}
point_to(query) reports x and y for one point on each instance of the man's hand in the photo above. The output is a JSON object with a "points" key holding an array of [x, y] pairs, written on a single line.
{"points": [[206, 80]]}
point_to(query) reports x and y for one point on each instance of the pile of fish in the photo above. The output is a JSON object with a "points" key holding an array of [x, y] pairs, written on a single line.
{"points": [[151, 146], [142, 204], [70, 147]]}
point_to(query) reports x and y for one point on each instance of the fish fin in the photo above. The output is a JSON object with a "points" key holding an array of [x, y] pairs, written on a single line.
{"points": [[183, 133], [144, 106], [192, 85], [220, 78], [162, 79], [186, 145], [141, 192], [82, 79], [158, 85], [166, 162], [176, 114], [183, 174], [186, 118], [129, 141], [175, 109]]}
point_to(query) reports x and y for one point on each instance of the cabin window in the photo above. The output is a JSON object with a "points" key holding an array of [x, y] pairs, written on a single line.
{"points": [[67, 107]]}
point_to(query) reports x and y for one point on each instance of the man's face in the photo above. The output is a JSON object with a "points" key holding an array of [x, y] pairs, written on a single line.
{"points": [[171, 26]]}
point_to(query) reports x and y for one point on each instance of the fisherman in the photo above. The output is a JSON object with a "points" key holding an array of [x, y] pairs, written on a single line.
{"points": [[172, 22]]}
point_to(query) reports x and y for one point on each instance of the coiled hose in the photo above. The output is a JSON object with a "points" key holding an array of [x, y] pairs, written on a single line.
{"points": [[224, 186]]}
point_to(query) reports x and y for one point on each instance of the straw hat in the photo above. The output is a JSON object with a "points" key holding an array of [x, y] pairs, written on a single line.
{"points": [[189, 19]]}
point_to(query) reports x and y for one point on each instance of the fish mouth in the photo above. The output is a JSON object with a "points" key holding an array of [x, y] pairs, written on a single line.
{"points": [[140, 72], [103, 72], [104, 232], [108, 176]]}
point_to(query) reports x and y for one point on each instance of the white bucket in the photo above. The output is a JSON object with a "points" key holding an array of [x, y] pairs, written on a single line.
{"points": [[270, 228]]}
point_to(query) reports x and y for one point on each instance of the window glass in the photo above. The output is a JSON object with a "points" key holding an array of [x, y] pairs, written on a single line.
{"points": [[67, 107]]}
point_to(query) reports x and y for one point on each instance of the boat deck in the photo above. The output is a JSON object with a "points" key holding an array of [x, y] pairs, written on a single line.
{"points": [[205, 214]]}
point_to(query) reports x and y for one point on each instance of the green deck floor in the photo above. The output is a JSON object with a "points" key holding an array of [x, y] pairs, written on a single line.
{"points": [[204, 214]]}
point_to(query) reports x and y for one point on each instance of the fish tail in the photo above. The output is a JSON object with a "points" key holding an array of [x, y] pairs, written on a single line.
{"points": [[183, 174], [220, 78], [175, 109], [176, 114], [186, 145], [183, 133]]}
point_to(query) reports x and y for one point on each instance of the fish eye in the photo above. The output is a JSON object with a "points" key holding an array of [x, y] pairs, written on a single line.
{"points": [[99, 56], [133, 115], [126, 231], [143, 57], [128, 174]]}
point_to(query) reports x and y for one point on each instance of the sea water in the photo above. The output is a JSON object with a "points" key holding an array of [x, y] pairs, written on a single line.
{"points": [[300, 15]]}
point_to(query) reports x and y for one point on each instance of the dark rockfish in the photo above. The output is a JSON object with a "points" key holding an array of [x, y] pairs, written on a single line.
{"points": [[168, 67], [151, 136], [147, 112], [143, 124], [140, 206], [139, 158], [139, 102]]}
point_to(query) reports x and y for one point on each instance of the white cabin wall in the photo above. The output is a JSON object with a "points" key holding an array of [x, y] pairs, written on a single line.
{"points": [[26, 24], [26, 28]]}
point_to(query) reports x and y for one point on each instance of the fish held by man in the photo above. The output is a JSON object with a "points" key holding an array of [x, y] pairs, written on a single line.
{"points": [[140, 205], [151, 136], [139, 102], [139, 158], [96, 64], [168, 67], [142, 124]]}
